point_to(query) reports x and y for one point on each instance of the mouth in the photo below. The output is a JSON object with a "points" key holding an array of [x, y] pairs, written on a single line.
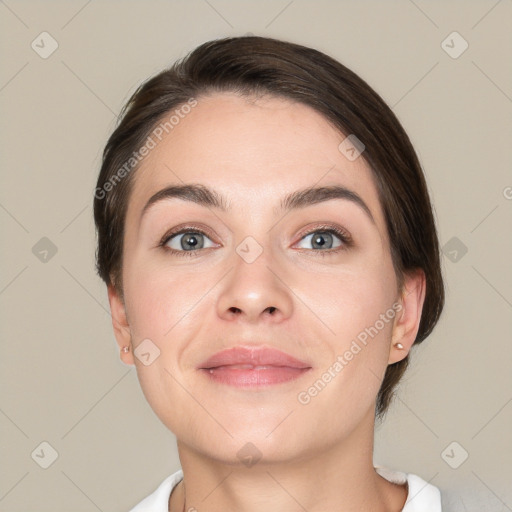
{"points": [[250, 367]]}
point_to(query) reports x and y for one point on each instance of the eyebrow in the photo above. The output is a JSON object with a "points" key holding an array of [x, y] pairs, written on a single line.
{"points": [[204, 196]]}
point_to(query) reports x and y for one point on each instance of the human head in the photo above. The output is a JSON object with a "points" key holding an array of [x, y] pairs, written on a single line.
{"points": [[257, 67]]}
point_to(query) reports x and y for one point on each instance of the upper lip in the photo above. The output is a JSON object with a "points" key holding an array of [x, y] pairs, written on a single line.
{"points": [[255, 355]]}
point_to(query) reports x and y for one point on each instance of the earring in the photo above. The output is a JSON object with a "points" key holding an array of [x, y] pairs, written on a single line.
{"points": [[126, 349], [399, 346]]}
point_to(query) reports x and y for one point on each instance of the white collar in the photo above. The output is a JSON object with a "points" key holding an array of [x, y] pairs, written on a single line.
{"points": [[422, 496]]}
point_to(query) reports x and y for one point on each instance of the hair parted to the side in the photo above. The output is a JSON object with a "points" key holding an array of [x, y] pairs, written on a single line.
{"points": [[259, 66]]}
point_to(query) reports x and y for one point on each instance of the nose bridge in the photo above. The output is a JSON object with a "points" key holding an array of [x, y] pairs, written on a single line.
{"points": [[253, 287]]}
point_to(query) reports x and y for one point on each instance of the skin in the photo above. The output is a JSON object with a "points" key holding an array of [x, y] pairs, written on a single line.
{"points": [[318, 456]]}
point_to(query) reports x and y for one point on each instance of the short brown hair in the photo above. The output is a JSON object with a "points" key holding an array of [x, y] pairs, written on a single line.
{"points": [[260, 65]]}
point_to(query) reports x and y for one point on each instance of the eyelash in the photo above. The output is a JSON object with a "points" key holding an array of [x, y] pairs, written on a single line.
{"points": [[343, 235]]}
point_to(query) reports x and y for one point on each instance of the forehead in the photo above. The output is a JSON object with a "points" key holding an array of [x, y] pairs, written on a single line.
{"points": [[253, 151]]}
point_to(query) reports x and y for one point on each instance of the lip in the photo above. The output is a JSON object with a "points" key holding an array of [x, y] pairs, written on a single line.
{"points": [[244, 366]]}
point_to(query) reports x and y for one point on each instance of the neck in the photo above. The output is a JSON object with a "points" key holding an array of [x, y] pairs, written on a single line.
{"points": [[338, 477]]}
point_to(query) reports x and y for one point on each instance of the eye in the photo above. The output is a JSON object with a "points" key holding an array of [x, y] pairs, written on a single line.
{"points": [[186, 241], [324, 238]]}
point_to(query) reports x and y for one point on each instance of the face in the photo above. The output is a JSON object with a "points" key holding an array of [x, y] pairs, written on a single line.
{"points": [[307, 280]]}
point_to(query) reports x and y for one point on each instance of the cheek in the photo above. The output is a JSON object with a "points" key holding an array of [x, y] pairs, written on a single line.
{"points": [[163, 307], [158, 300], [358, 310], [355, 309], [349, 300]]}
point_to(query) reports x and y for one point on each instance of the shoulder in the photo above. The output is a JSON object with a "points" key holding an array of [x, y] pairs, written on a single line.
{"points": [[421, 496], [158, 500]]}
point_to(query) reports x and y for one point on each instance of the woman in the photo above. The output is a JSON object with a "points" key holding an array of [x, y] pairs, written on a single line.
{"points": [[267, 239]]}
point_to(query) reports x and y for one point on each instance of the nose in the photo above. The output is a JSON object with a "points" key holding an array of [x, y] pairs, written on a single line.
{"points": [[255, 291]]}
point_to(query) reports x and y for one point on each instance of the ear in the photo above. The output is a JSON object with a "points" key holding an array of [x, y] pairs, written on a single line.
{"points": [[407, 320], [120, 325]]}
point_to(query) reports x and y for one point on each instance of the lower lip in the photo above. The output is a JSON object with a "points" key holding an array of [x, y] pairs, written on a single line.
{"points": [[256, 377]]}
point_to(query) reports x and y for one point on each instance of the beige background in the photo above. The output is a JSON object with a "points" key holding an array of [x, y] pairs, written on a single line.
{"points": [[61, 378]]}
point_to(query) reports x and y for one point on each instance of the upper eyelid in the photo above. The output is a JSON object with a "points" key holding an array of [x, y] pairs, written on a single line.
{"points": [[325, 227], [186, 229]]}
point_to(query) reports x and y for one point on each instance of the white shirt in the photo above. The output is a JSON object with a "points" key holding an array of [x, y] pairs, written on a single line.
{"points": [[422, 496]]}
